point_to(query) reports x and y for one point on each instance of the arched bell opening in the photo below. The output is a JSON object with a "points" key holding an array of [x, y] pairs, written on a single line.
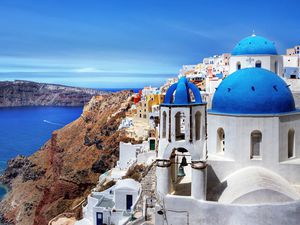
{"points": [[181, 172], [180, 126]]}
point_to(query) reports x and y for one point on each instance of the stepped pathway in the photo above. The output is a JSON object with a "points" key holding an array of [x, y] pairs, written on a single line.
{"points": [[148, 192]]}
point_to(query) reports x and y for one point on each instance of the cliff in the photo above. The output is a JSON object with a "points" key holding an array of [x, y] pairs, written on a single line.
{"points": [[62, 172], [27, 93]]}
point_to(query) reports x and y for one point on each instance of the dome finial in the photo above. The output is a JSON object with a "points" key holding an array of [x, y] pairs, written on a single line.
{"points": [[253, 33]]}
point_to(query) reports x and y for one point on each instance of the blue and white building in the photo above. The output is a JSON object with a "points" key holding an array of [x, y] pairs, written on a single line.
{"points": [[236, 163], [256, 51]]}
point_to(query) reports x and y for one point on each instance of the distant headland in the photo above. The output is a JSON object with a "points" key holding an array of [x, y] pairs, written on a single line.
{"points": [[28, 93]]}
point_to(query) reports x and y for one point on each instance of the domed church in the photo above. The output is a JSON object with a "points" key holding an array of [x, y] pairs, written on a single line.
{"points": [[236, 163], [256, 51], [254, 129]]}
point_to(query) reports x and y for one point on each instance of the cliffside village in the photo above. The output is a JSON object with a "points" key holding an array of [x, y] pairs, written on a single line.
{"points": [[180, 138]]}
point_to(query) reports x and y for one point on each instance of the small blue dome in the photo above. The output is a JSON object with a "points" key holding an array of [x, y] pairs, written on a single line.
{"points": [[182, 93], [255, 45], [253, 91]]}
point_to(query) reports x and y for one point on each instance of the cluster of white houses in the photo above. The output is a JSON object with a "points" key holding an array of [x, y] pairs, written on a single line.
{"points": [[213, 69], [116, 204], [239, 161]]}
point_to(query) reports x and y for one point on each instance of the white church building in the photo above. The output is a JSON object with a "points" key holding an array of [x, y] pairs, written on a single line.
{"points": [[256, 51], [236, 163]]}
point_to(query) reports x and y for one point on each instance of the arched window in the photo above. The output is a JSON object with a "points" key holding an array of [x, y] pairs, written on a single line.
{"points": [[276, 67], [256, 138], [291, 143], [258, 64], [179, 126], [238, 66], [164, 123], [198, 125], [220, 140]]}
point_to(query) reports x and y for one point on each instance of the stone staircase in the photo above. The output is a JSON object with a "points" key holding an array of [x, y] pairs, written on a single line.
{"points": [[148, 194]]}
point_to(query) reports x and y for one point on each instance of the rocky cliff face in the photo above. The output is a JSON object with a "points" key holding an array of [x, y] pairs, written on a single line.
{"points": [[26, 93], [62, 172]]}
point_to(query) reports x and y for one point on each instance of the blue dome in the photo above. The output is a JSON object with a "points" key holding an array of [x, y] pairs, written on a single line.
{"points": [[253, 91], [255, 45], [182, 93]]}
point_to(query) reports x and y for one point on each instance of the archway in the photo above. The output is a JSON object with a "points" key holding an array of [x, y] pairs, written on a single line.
{"points": [[258, 64], [238, 66], [181, 172], [291, 143], [220, 140], [198, 125], [256, 138], [179, 126]]}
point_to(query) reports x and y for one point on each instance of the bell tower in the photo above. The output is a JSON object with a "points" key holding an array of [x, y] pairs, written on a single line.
{"points": [[182, 141]]}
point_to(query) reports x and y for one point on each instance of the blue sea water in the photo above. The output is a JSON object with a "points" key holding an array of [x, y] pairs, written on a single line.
{"points": [[23, 130]]}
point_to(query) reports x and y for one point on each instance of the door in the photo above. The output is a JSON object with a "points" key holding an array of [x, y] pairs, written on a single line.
{"points": [[99, 218], [128, 202], [152, 144]]}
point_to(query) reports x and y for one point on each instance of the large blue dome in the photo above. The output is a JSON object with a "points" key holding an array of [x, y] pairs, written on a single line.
{"points": [[254, 45], [253, 91], [179, 93]]}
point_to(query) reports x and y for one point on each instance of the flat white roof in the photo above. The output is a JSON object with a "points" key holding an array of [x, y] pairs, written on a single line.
{"points": [[128, 184]]}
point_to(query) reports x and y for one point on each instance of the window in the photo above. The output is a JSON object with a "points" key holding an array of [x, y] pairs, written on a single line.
{"points": [[291, 143], [238, 66], [256, 138], [258, 64], [197, 125], [179, 126], [164, 131], [276, 67], [220, 140]]}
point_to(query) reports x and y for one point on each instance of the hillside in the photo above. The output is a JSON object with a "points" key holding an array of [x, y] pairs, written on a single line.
{"points": [[62, 172]]}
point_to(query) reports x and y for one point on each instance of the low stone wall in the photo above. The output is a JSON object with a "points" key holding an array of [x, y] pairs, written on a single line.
{"points": [[186, 210]]}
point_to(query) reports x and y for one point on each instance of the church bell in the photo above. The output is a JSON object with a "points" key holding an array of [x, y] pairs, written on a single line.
{"points": [[181, 171]]}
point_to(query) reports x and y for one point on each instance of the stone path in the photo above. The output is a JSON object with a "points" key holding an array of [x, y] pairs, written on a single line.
{"points": [[148, 192]]}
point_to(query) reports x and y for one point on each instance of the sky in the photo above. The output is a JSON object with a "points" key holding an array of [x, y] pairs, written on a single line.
{"points": [[130, 43]]}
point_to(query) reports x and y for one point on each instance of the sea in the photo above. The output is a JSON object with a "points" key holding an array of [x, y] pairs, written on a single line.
{"points": [[23, 130]]}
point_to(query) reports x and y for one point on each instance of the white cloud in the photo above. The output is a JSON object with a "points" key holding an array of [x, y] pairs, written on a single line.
{"points": [[88, 70]]}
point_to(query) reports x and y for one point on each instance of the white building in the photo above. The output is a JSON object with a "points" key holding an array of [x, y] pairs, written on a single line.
{"points": [[112, 206], [219, 64], [291, 65], [256, 51], [246, 170], [129, 155], [293, 51]]}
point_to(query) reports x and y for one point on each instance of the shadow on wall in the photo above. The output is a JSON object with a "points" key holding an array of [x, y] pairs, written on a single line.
{"points": [[215, 187]]}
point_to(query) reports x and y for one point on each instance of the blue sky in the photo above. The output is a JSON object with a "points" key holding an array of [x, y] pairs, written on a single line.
{"points": [[130, 43]]}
